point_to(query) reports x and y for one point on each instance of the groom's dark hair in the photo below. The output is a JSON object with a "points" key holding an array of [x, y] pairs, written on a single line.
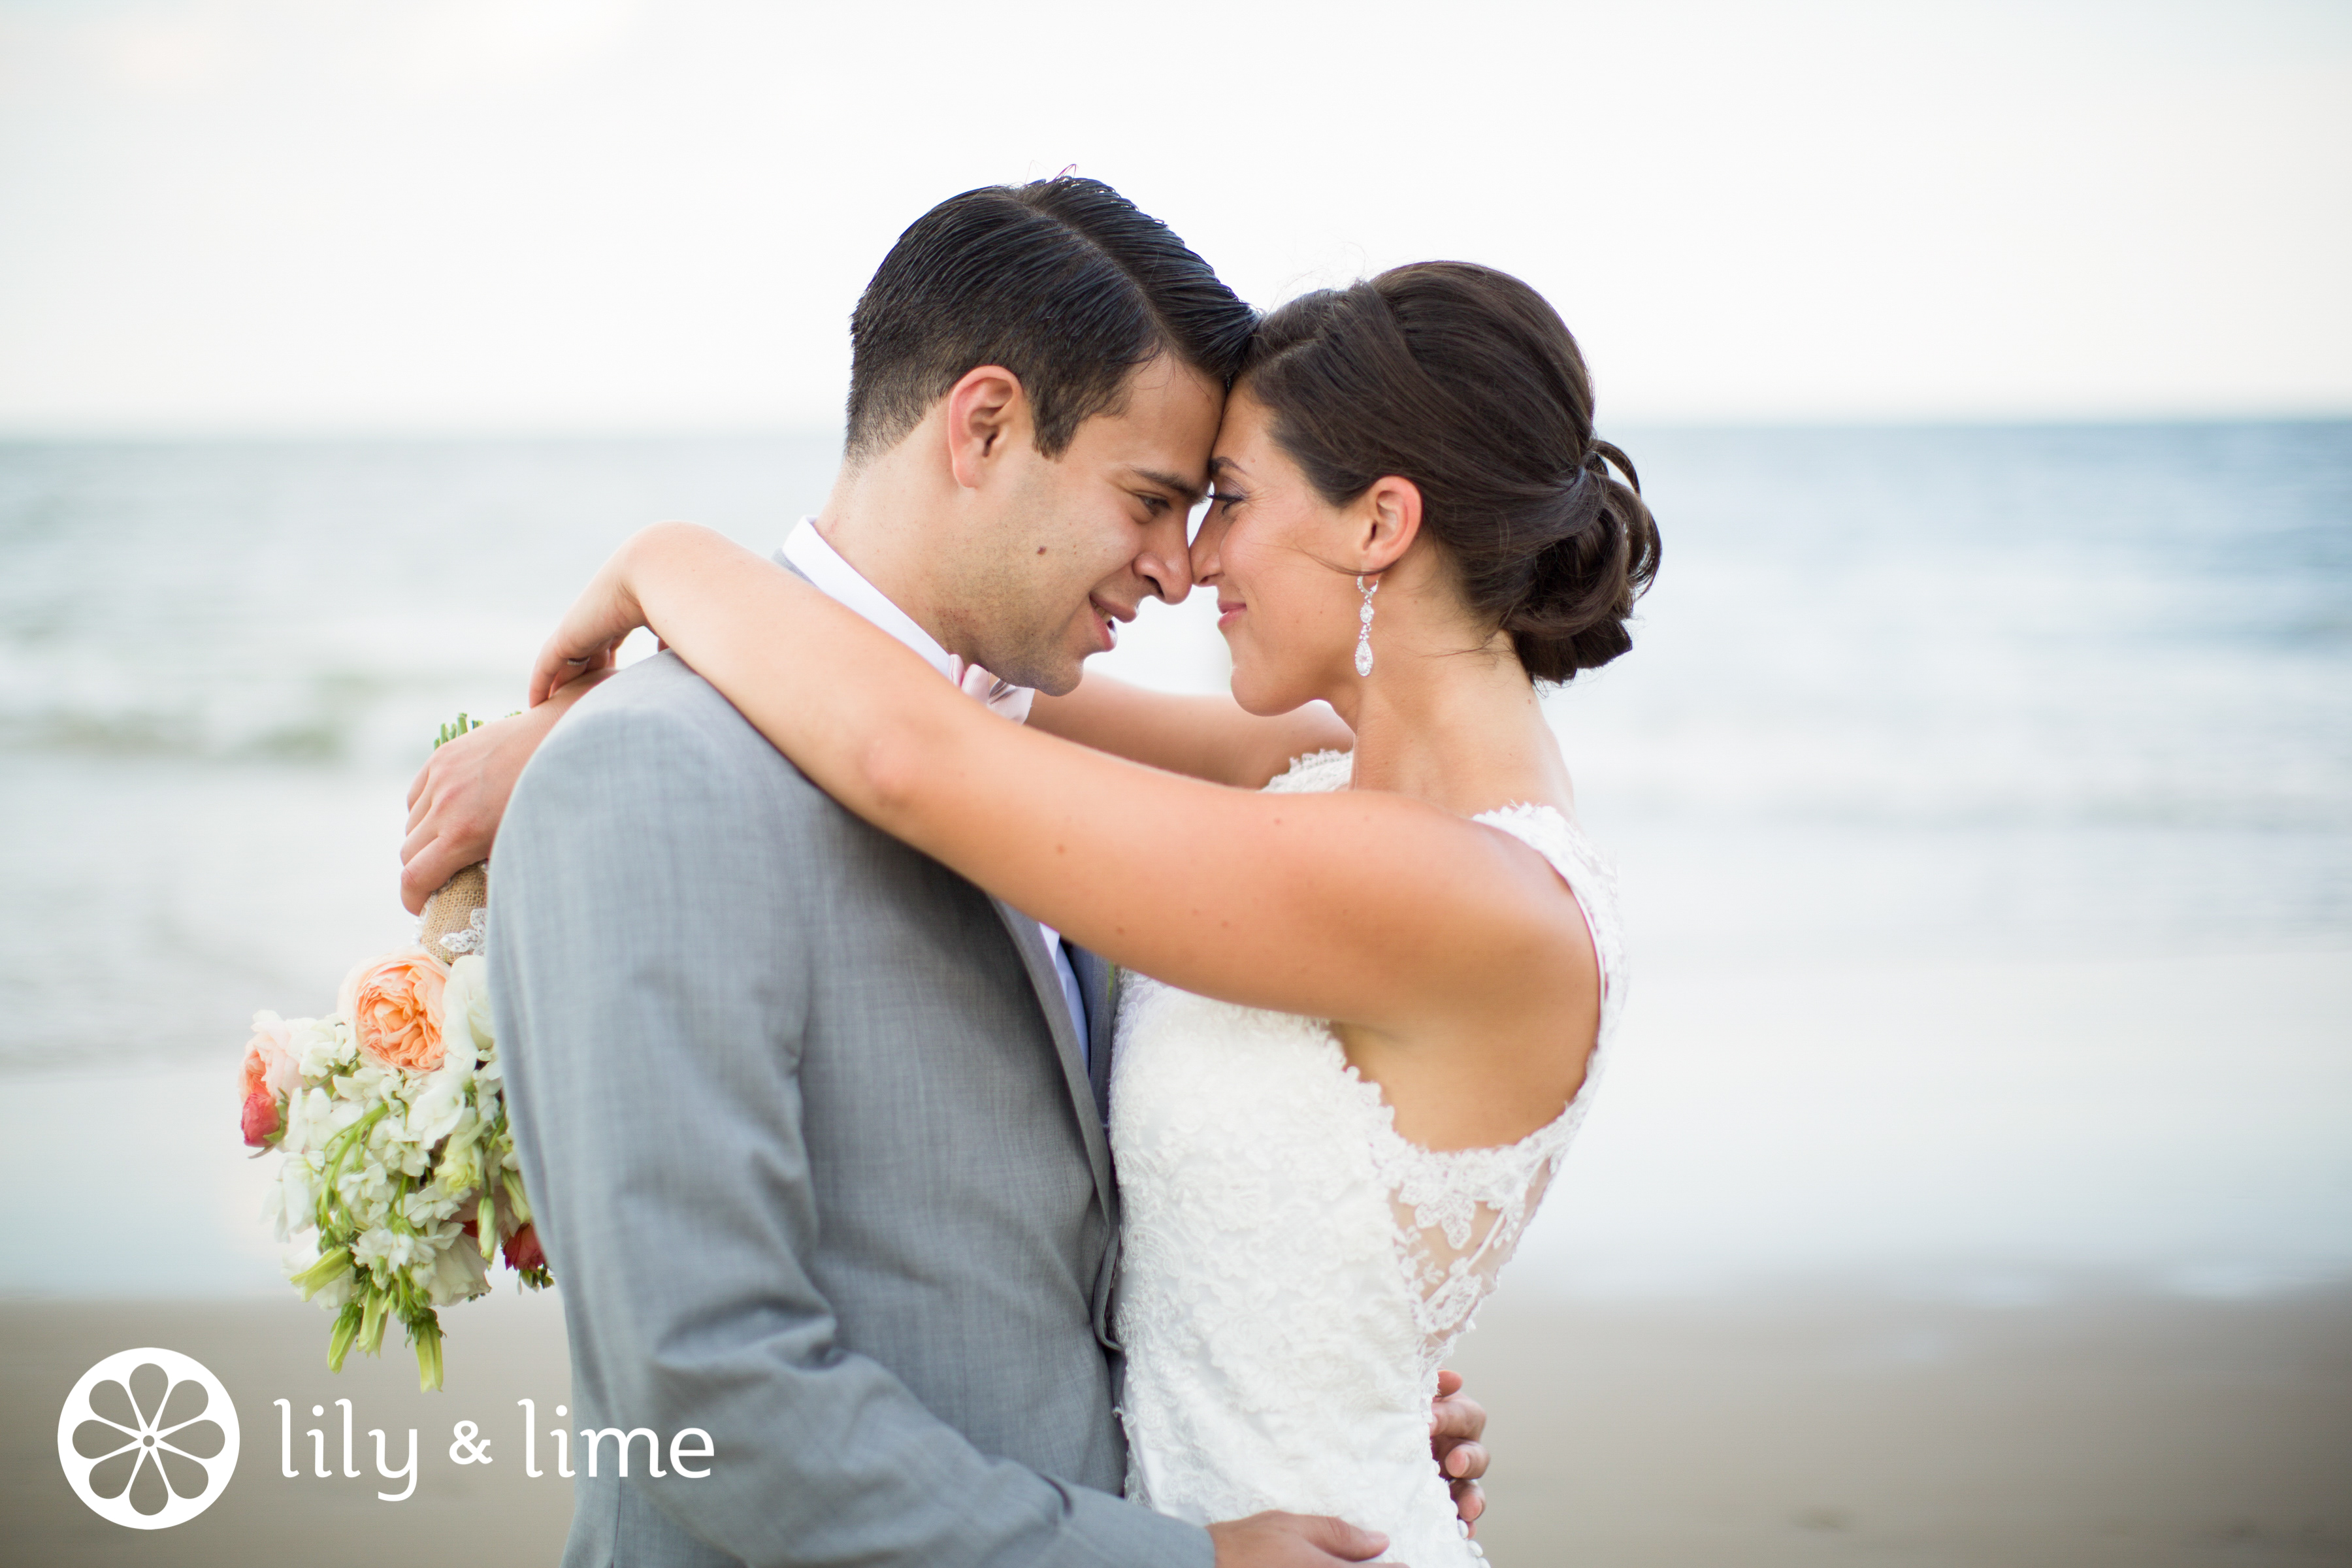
{"points": [[1063, 282]]}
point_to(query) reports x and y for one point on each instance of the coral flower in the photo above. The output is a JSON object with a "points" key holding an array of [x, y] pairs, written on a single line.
{"points": [[258, 1119], [268, 1072], [394, 1007]]}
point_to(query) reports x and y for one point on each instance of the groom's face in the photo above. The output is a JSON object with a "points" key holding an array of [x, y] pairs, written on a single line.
{"points": [[1081, 540]]}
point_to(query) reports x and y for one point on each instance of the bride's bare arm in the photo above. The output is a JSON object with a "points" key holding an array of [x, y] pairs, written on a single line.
{"points": [[1207, 738], [1373, 908], [460, 794]]}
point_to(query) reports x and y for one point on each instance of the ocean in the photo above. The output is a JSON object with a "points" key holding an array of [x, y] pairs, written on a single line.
{"points": [[1924, 702]]}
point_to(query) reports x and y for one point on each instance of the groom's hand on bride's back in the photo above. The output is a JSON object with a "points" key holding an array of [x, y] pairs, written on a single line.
{"points": [[1293, 1541], [1456, 1425]]}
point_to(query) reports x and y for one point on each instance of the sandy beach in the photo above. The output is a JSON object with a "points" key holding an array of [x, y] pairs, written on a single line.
{"points": [[2053, 1282], [2100, 1429]]}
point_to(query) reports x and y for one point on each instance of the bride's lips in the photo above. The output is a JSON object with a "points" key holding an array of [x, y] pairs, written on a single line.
{"points": [[1228, 611]]}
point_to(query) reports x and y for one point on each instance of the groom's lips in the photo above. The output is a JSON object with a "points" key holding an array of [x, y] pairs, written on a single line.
{"points": [[1106, 619]]}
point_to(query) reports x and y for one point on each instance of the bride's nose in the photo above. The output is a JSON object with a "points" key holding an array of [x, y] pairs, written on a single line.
{"points": [[1203, 557]]}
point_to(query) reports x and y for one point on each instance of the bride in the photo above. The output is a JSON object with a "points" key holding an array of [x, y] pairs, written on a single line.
{"points": [[1362, 1000]]}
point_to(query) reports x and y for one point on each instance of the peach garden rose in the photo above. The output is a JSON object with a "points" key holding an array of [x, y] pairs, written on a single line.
{"points": [[395, 1007]]}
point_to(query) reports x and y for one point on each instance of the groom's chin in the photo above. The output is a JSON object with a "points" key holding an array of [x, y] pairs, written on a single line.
{"points": [[1060, 680]]}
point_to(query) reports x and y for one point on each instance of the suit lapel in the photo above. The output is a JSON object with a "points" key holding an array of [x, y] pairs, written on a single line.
{"points": [[1031, 944], [1098, 984]]}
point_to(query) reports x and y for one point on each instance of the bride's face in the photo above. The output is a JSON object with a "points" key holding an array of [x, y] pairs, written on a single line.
{"points": [[1267, 549]]}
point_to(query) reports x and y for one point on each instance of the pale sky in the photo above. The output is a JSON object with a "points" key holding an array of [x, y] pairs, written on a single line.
{"points": [[267, 216]]}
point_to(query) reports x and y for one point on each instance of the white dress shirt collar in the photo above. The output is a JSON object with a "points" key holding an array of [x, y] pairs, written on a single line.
{"points": [[825, 567]]}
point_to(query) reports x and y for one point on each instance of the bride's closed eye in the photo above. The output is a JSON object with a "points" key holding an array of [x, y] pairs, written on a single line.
{"points": [[1228, 498]]}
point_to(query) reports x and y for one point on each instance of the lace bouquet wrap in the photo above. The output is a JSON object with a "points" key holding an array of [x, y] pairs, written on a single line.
{"points": [[397, 1179]]}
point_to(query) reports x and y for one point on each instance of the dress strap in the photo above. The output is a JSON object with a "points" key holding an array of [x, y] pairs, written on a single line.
{"points": [[1590, 879]]}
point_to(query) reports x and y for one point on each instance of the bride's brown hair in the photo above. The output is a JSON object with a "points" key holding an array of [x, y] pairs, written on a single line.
{"points": [[1466, 382]]}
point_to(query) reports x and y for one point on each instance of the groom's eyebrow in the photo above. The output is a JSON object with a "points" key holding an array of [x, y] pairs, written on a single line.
{"points": [[1186, 490]]}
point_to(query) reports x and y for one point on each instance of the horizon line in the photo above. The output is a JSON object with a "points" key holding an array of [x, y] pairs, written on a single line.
{"points": [[396, 433]]}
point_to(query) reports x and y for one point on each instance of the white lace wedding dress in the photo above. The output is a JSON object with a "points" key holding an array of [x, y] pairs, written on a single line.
{"points": [[1294, 1271]]}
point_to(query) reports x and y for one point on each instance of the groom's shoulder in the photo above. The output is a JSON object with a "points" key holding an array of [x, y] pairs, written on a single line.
{"points": [[658, 721], [659, 693]]}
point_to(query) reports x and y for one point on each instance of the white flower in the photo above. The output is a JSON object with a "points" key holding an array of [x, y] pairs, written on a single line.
{"points": [[367, 1185], [373, 1246], [320, 1045], [465, 1006], [458, 1172], [309, 1118], [289, 1206], [457, 1272]]}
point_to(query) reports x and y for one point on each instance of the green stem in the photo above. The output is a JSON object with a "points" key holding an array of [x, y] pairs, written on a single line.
{"points": [[340, 1148], [347, 1329]]}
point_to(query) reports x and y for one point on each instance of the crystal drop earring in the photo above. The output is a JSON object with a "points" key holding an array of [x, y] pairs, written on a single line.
{"points": [[1364, 627]]}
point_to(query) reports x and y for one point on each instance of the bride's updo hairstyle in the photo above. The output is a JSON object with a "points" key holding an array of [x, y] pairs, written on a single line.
{"points": [[1464, 381]]}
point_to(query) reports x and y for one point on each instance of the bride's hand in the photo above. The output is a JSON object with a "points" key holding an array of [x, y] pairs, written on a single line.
{"points": [[460, 795], [592, 629]]}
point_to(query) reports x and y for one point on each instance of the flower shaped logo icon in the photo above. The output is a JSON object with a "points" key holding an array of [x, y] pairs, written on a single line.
{"points": [[148, 1438]]}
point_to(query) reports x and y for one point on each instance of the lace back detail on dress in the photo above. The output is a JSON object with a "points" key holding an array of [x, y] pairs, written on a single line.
{"points": [[1460, 1212]]}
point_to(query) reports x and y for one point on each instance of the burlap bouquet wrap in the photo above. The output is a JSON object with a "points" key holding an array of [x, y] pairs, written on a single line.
{"points": [[450, 910]]}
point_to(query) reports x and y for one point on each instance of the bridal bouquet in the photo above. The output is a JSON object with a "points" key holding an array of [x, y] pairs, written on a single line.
{"points": [[397, 1170]]}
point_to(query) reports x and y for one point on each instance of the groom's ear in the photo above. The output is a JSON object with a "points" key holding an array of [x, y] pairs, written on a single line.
{"points": [[987, 418]]}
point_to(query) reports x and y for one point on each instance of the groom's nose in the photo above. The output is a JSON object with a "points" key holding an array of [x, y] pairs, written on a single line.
{"points": [[1166, 561]]}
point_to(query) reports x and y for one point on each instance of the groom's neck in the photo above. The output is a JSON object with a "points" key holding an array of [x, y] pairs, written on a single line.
{"points": [[880, 519]]}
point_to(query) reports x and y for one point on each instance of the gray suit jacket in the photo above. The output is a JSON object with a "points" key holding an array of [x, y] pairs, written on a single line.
{"points": [[816, 1158]]}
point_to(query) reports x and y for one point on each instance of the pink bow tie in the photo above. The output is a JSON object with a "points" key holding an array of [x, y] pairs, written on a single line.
{"points": [[1001, 697]]}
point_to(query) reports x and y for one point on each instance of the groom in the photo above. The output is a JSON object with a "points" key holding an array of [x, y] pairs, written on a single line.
{"points": [[813, 1125]]}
